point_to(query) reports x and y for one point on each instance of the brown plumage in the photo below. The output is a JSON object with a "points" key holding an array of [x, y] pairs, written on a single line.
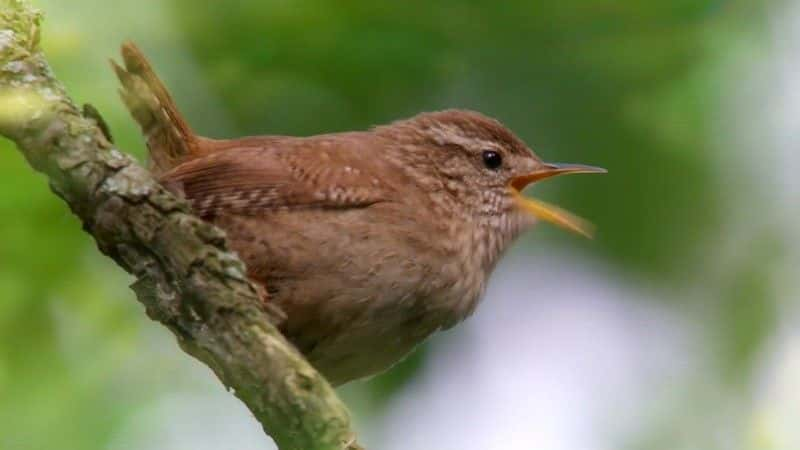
{"points": [[369, 241]]}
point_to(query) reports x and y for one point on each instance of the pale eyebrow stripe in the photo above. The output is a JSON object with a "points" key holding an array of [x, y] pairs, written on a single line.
{"points": [[448, 134]]}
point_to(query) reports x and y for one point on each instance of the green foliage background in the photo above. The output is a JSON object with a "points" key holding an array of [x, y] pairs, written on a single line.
{"points": [[632, 86]]}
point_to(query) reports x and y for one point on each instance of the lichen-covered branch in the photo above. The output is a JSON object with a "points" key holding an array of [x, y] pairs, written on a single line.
{"points": [[186, 277]]}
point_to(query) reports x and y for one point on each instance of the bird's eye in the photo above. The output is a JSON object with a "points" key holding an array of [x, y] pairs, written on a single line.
{"points": [[492, 159]]}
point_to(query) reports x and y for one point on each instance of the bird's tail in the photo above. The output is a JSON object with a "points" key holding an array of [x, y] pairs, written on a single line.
{"points": [[169, 138]]}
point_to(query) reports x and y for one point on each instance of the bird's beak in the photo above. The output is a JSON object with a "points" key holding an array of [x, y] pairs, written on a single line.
{"points": [[550, 213]]}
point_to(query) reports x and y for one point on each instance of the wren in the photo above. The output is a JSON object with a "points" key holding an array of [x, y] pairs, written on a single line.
{"points": [[368, 241]]}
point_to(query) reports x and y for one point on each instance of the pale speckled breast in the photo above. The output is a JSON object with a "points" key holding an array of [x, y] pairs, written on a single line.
{"points": [[375, 293]]}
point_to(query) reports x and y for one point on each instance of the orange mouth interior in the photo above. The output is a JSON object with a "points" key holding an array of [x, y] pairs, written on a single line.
{"points": [[550, 213]]}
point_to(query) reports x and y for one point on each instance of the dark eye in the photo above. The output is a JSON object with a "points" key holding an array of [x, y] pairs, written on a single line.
{"points": [[492, 159]]}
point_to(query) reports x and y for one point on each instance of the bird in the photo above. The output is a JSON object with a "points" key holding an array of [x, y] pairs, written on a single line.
{"points": [[367, 241]]}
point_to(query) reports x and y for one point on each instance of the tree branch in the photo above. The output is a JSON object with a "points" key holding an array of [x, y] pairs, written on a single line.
{"points": [[186, 277]]}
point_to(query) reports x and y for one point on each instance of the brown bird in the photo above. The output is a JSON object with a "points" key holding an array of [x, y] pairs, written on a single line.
{"points": [[369, 241]]}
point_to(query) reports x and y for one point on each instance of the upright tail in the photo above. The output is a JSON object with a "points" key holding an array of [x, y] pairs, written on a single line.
{"points": [[169, 138]]}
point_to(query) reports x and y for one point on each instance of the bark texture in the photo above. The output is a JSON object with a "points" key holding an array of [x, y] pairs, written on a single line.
{"points": [[187, 279]]}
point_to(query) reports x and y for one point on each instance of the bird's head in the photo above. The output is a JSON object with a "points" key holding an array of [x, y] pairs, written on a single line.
{"points": [[484, 167]]}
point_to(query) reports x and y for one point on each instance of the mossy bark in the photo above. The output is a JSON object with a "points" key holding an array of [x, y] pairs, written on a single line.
{"points": [[187, 278]]}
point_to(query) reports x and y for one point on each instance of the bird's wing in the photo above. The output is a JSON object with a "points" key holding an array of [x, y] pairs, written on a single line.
{"points": [[256, 180]]}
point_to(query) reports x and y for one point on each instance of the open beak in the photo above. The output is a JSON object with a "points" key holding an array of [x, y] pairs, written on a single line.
{"points": [[550, 213]]}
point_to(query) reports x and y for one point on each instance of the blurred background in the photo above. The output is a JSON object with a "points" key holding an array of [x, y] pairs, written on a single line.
{"points": [[678, 327]]}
